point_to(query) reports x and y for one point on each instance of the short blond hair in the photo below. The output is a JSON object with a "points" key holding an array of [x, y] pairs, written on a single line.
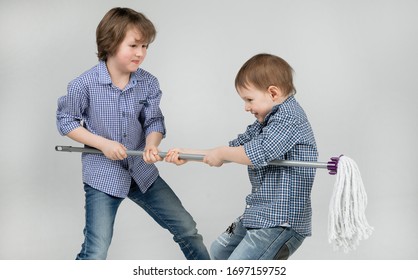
{"points": [[113, 27], [265, 70]]}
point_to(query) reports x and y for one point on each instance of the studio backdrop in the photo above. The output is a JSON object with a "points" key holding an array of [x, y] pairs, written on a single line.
{"points": [[355, 68]]}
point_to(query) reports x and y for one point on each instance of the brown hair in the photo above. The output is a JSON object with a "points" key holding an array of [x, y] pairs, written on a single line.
{"points": [[265, 70], [113, 27]]}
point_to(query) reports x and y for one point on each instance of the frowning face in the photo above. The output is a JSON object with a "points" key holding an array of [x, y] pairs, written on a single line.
{"points": [[130, 53]]}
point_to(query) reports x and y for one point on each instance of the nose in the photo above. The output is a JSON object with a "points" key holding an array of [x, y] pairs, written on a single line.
{"points": [[141, 51], [247, 107]]}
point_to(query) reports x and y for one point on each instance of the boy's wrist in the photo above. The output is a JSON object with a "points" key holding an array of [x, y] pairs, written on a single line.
{"points": [[153, 139]]}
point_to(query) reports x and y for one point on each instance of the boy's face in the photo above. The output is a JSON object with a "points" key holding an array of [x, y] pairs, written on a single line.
{"points": [[130, 53], [257, 102]]}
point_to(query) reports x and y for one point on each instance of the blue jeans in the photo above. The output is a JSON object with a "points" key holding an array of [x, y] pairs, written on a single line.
{"points": [[240, 243], [160, 202]]}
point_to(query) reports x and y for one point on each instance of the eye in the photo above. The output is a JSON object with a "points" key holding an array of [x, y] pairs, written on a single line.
{"points": [[145, 46]]}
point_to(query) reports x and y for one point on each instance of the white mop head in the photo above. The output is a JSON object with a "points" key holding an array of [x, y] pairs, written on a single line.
{"points": [[347, 223]]}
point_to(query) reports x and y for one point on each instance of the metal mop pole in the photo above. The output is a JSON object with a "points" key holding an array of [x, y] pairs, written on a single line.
{"points": [[331, 165]]}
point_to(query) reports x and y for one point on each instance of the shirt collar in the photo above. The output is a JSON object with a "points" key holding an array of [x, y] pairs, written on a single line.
{"points": [[104, 76], [276, 108]]}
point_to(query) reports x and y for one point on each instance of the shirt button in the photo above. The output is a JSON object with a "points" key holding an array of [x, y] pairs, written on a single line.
{"points": [[248, 206]]}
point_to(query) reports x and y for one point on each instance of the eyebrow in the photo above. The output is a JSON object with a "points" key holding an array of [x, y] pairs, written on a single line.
{"points": [[136, 41]]}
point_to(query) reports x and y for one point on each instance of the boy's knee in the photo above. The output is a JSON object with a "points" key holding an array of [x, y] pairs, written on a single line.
{"points": [[217, 251], [283, 253]]}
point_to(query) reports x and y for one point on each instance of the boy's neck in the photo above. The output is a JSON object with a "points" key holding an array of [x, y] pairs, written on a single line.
{"points": [[283, 98], [119, 79]]}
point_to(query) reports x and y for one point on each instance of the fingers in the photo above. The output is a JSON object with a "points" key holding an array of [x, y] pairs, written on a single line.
{"points": [[121, 153], [173, 157], [151, 155], [114, 150]]}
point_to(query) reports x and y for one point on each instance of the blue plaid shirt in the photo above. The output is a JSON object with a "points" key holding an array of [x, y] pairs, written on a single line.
{"points": [[280, 195], [126, 116]]}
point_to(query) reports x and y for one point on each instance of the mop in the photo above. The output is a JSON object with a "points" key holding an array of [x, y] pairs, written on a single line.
{"points": [[347, 223]]}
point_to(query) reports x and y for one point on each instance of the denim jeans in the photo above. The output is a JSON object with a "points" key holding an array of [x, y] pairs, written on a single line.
{"points": [[240, 243], [160, 202]]}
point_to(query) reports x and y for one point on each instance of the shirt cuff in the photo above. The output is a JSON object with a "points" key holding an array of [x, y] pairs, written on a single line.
{"points": [[234, 143], [255, 153], [64, 129], [156, 127]]}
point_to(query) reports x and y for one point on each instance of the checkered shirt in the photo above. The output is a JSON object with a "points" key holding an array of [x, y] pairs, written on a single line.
{"points": [[126, 116], [280, 195]]}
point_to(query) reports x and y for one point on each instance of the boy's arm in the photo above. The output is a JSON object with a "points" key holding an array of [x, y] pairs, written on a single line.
{"points": [[111, 149], [220, 155], [212, 157]]}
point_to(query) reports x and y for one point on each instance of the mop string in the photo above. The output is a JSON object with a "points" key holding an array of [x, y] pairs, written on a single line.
{"points": [[347, 223]]}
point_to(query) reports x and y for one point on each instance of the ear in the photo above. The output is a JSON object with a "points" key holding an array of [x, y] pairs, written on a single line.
{"points": [[275, 92]]}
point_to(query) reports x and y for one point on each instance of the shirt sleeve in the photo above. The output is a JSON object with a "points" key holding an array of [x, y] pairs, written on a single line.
{"points": [[245, 137], [153, 117], [71, 107], [275, 140]]}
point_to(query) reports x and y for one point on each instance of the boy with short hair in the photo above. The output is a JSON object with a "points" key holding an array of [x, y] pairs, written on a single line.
{"points": [[114, 107], [278, 213]]}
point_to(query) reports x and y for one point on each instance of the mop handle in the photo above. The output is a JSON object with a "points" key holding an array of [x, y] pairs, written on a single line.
{"points": [[332, 165]]}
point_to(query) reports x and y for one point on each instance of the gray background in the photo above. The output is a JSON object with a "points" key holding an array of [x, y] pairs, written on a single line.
{"points": [[356, 68]]}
